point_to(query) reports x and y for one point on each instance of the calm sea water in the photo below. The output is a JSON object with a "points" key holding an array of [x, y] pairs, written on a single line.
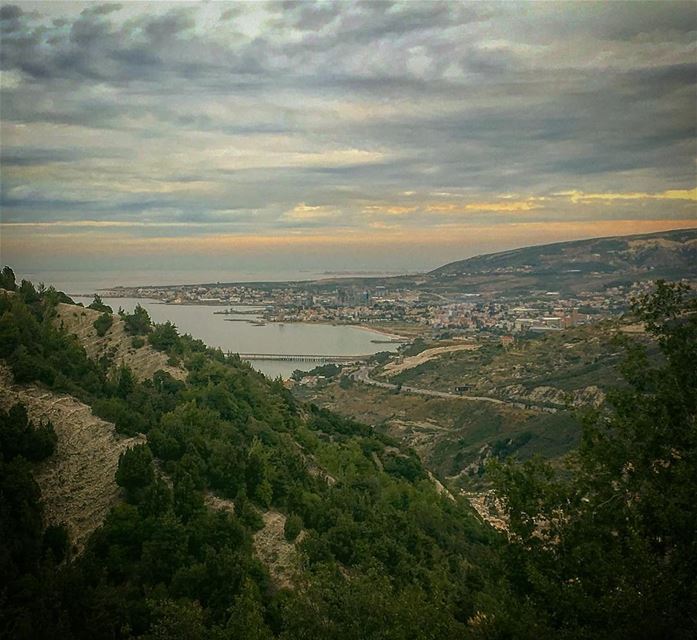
{"points": [[243, 337], [90, 282]]}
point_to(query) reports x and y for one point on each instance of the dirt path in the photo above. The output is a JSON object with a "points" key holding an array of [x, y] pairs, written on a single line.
{"points": [[77, 481], [393, 368]]}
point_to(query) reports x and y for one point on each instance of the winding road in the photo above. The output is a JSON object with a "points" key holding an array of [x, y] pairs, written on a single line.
{"points": [[362, 374]]}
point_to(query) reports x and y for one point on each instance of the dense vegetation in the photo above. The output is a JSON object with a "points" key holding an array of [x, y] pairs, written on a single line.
{"points": [[165, 565], [383, 555], [609, 548]]}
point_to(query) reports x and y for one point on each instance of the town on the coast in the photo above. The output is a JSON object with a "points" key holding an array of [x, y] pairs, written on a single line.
{"points": [[404, 310]]}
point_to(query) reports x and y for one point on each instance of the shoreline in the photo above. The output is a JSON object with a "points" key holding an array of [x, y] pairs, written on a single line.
{"points": [[382, 332], [396, 338]]}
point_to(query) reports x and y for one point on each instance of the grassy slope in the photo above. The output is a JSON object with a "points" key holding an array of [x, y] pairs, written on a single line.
{"points": [[569, 360], [452, 437]]}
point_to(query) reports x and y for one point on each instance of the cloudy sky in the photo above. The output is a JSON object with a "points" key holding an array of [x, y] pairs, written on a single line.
{"points": [[337, 135]]}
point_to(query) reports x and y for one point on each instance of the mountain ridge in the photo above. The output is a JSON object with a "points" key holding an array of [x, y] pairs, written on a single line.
{"points": [[512, 253]]}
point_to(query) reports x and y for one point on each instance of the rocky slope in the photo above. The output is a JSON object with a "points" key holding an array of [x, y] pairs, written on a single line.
{"points": [[77, 482], [116, 344]]}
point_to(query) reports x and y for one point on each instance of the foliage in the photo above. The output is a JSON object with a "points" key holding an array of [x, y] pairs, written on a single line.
{"points": [[103, 323], [7, 279], [608, 549], [328, 370], [164, 337], [136, 470], [137, 323], [98, 305], [24, 547], [19, 436], [292, 527]]}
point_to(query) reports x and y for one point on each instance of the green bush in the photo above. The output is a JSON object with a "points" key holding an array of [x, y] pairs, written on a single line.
{"points": [[103, 323], [136, 469], [293, 527], [137, 323], [163, 337], [98, 305]]}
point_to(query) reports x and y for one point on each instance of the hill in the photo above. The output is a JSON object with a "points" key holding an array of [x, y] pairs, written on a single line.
{"points": [[582, 265], [236, 511], [201, 500]]}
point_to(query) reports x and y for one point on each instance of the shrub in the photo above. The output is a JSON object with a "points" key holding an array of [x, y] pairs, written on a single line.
{"points": [[293, 526], [137, 323], [103, 323], [98, 305]]}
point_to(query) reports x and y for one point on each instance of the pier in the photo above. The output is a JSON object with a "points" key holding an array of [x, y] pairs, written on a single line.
{"points": [[289, 357]]}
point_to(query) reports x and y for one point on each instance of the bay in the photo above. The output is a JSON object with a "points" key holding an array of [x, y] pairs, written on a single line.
{"points": [[234, 332]]}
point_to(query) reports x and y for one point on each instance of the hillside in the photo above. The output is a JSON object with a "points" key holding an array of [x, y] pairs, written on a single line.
{"points": [[116, 344], [582, 265], [229, 509], [534, 387], [592, 265], [207, 485]]}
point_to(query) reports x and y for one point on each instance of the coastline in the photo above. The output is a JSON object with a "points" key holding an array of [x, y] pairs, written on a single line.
{"points": [[388, 335]]}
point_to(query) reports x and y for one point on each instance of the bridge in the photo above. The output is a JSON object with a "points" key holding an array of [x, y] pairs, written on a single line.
{"points": [[302, 357]]}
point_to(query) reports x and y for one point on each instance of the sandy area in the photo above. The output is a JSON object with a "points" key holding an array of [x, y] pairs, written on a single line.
{"points": [[393, 368]]}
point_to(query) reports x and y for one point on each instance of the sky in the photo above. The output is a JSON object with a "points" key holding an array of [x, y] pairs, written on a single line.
{"points": [[280, 137]]}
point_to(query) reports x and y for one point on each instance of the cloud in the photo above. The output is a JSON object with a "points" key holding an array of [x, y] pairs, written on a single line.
{"points": [[672, 194], [337, 116], [389, 210], [303, 212], [502, 206]]}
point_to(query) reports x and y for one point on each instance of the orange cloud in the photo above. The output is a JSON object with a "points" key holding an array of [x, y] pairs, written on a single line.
{"points": [[455, 236], [580, 197], [301, 212], [390, 210], [504, 206]]}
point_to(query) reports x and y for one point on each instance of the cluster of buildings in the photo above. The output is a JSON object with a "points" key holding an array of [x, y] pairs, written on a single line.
{"points": [[536, 311]]}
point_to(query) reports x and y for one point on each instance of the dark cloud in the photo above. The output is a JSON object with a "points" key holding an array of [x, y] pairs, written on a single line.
{"points": [[163, 28], [102, 9], [10, 12], [263, 106], [26, 157]]}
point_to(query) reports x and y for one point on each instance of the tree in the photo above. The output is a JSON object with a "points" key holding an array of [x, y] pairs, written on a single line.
{"points": [[98, 305], [177, 620], [136, 470], [19, 436], [28, 293], [292, 527], [246, 621], [103, 323], [126, 382], [7, 279], [164, 336], [138, 322], [610, 550]]}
